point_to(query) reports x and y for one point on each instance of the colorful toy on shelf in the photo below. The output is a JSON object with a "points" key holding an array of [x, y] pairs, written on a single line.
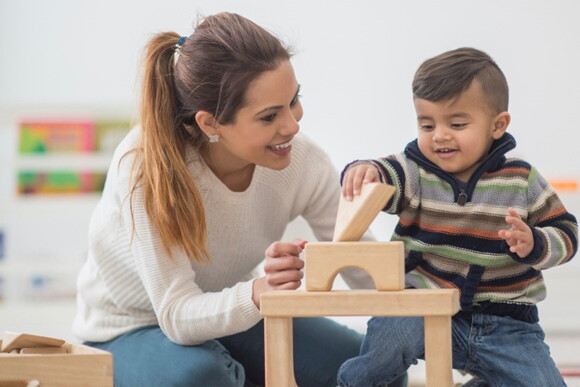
{"points": [[59, 182], [57, 136]]}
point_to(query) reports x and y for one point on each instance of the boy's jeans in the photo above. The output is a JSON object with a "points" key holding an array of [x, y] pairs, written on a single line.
{"points": [[500, 350]]}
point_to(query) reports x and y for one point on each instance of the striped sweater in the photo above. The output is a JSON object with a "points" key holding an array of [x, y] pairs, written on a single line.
{"points": [[450, 229]]}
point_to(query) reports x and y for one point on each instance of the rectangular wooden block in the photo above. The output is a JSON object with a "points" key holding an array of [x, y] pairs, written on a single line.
{"points": [[383, 261], [278, 352], [408, 302], [43, 350], [80, 366]]}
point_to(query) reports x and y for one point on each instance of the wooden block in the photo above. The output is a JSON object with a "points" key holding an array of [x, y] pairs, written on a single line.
{"points": [[408, 302], [19, 383], [354, 217], [43, 350], [12, 340], [278, 343], [438, 353], [80, 366], [383, 261]]}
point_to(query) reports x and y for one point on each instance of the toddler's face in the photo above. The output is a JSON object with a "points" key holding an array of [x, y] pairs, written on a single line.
{"points": [[457, 134]]}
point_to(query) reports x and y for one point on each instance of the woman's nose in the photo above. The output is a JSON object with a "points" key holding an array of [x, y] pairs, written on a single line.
{"points": [[291, 125]]}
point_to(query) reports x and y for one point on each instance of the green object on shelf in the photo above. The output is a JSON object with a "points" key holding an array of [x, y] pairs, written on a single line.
{"points": [[59, 182]]}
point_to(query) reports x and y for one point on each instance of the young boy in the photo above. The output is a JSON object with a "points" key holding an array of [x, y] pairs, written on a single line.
{"points": [[473, 220]]}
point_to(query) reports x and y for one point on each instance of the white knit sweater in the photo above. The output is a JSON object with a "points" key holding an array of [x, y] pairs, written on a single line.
{"points": [[129, 282]]}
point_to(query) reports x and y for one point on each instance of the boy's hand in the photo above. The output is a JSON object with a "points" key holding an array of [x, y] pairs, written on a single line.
{"points": [[519, 237], [355, 177]]}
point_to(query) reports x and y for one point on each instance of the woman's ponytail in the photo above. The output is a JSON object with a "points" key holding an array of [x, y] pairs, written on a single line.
{"points": [[171, 197]]}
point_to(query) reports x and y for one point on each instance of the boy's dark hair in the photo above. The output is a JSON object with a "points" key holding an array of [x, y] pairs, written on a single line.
{"points": [[447, 75]]}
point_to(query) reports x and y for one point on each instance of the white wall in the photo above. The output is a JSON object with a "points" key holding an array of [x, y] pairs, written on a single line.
{"points": [[354, 59]]}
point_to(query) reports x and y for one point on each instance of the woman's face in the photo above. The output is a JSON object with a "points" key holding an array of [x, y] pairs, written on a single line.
{"points": [[263, 129]]}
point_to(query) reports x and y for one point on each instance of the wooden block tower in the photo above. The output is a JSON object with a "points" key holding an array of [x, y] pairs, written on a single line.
{"points": [[384, 262]]}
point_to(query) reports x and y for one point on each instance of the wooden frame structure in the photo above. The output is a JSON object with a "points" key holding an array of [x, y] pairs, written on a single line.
{"points": [[437, 306], [384, 262]]}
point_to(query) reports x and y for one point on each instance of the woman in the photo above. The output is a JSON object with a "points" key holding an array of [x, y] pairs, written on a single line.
{"points": [[193, 198]]}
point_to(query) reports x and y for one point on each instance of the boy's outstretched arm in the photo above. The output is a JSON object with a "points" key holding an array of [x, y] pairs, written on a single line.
{"points": [[354, 178], [554, 231], [519, 237]]}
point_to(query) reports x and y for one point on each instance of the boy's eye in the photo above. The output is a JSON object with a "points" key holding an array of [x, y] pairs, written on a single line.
{"points": [[426, 127], [458, 125]]}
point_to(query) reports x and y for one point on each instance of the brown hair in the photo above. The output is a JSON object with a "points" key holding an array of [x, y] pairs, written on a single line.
{"points": [[447, 75], [212, 73]]}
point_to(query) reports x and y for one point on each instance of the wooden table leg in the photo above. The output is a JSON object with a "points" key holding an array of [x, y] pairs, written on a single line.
{"points": [[278, 352], [438, 356]]}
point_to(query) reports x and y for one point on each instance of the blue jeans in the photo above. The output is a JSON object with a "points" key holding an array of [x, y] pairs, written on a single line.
{"points": [[500, 350], [146, 357]]}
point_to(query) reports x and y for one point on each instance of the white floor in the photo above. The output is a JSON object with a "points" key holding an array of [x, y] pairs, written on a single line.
{"points": [[54, 319]]}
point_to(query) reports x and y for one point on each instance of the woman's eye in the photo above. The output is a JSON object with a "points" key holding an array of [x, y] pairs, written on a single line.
{"points": [[295, 100], [269, 118]]}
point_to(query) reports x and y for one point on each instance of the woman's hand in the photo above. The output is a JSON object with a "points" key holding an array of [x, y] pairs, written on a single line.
{"points": [[355, 177], [519, 237], [283, 268]]}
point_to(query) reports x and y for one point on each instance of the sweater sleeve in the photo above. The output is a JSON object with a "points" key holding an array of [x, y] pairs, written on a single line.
{"points": [[393, 170], [555, 230], [321, 197]]}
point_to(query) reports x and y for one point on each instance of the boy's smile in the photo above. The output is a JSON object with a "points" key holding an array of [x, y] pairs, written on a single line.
{"points": [[445, 152], [457, 134]]}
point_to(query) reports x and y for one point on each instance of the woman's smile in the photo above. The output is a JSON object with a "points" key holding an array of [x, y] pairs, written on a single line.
{"points": [[281, 149]]}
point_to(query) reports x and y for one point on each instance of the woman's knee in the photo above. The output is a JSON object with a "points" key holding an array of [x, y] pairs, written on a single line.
{"points": [[147, 357], [208, 366], [209, 373]]}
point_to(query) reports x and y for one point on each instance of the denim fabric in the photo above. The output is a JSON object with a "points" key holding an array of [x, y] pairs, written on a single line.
{"points": [[146, 357], [500, 350]]}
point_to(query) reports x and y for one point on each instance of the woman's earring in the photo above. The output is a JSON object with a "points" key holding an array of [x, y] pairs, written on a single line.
{"points": [[214, 138]]}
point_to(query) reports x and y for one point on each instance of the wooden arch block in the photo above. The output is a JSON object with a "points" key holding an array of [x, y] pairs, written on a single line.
{"points": [[383, 261]]}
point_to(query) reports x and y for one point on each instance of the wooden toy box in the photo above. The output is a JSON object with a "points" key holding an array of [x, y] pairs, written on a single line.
{"points": [[80, 366]]}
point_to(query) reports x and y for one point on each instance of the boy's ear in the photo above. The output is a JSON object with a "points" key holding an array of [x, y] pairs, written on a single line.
{"points": [[500, 124], [206, 122]]}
